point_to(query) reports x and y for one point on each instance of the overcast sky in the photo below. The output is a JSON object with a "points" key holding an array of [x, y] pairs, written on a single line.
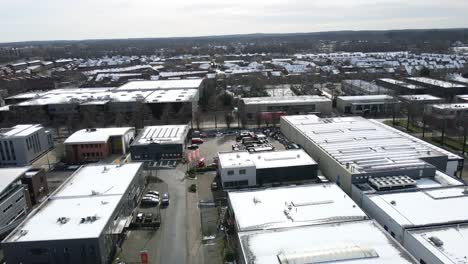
{"points": [[22, 20]]}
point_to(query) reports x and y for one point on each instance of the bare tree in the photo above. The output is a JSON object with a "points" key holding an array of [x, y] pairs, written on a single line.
{"points": [[228, 118], [197, 118]]}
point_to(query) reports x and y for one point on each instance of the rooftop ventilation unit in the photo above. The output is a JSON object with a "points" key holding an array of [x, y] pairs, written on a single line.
{"points": [[392, 182]]}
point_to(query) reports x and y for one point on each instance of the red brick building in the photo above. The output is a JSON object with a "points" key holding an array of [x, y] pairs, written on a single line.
{"points": [[94, 144]]}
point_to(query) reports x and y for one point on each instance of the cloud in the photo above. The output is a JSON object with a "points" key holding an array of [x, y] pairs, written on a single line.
{"points": [[85, 19]]}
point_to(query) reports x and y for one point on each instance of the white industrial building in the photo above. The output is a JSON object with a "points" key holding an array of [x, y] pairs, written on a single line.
{"points": [[291, 206], [22, 144], [308, 224], [351, 149], [367, 104], [14, 198], [410, 215], [82, 221], [244, 169]]}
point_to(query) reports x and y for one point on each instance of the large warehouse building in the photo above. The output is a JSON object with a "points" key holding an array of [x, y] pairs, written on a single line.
{"points": [[351, 149], [175, 98], [267, 109], [82, 221], [160, 142]]}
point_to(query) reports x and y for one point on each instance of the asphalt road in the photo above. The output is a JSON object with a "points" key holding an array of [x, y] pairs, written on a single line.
{"points": [[173, 244]]}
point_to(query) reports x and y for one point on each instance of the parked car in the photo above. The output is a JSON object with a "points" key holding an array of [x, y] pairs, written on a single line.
{"points": [[148, 201], [165, 199], [193, 146], [195, 134], [203, 135], [197, 141], [148, 218], [139, 217], [153, 192]]}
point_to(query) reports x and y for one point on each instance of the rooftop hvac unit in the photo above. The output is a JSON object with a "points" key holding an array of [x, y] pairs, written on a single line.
{"points": [[392, 182]]}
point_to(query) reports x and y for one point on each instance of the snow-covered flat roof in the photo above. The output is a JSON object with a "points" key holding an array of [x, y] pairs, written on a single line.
{"points": [[367, 98], [434, 82], [162, 135], [10, 175], [452, 107], [19, 131], [96, 135], [303, 99], [402, 84], [263, 160], [91, 193], [235, 159], [454, 239], [28, 95], [86, 96], [440, 206], [163, 84], [420, 97], [99, 180], [292, 206], [169, 96], [349, 242]]}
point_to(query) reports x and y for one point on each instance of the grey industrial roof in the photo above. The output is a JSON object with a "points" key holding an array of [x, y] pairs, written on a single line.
{"points": [[171, 134], [364, 145]]}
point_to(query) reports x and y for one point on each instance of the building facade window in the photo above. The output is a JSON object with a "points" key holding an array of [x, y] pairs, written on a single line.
{"points": [[230, 172], [233, 184], [242, 171]]}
